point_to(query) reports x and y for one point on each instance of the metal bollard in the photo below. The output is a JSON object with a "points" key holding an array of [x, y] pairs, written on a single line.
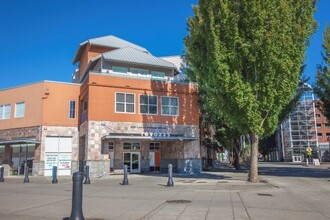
{"points": [[170, 176], [2, 171], [87, 180], [26, 173], [125, 180], [77, 193], [54, 175]]}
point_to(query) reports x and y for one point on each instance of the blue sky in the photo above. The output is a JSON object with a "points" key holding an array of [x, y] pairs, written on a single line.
{"points": [[39, 38]]}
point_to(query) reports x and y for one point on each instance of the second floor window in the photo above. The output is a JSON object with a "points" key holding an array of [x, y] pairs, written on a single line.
{"points": [[148, 104], [170, 105], [19, 109], [72, 110], [125, 102], [5, 111]]}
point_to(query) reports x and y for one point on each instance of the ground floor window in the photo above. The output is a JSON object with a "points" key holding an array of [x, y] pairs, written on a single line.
{"points": [[154, 157]]}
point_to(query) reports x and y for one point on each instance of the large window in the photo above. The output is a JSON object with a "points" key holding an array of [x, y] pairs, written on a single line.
{"points": [[157, 74], [125, 102], [72, 110], [5, 111], [170, 105], [148, 104]]}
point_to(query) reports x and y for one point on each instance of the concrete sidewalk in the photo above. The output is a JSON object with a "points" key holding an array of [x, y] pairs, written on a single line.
{"points": [[209, 196]]}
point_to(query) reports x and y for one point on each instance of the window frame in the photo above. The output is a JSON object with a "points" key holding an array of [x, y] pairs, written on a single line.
{"points": [[131, 146], [124, 112], [74, 110], [2, 113], [15, 113], [178, 106], [148, 105]]}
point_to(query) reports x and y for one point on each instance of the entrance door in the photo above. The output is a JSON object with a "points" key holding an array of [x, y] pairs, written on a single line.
{"points": [[132, 160]]}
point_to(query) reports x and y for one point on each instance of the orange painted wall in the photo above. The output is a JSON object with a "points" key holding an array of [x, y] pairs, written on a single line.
{"points": [[40, 108], [89, 53], [102, 89], [31, 95], [56, 104]]}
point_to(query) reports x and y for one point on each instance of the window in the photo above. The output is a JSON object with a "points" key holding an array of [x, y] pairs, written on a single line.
{"points": [[110, 146], [132, 146], [319, 135], [5, 111], [154, 146], [72, 110], [140, 71], [119, 69], [327, 125], [157, 74], [170, 105], [148, 104], [318, 116], [19, 109], [125, 102], [319, 125]]}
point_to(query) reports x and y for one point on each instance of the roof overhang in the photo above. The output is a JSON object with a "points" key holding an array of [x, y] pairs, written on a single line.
{"points": [[148, 138], [20, 141]]}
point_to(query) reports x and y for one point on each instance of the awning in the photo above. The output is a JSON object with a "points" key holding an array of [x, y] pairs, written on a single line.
{"points": [[20, 141], [148, 138]]}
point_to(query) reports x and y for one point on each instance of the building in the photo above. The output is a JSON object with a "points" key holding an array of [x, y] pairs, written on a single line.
{"points": [[125, 106], [323, 135], [299, 131]]}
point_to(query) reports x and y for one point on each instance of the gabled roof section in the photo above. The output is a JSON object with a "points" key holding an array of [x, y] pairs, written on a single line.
{"points": [[106, 41], [132, 55]]}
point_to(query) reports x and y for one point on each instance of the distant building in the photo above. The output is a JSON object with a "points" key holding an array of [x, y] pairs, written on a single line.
{"points": [[125, 106], [299, 131]]}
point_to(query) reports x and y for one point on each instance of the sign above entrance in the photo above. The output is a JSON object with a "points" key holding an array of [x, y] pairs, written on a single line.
{"points": [[156, 134]]}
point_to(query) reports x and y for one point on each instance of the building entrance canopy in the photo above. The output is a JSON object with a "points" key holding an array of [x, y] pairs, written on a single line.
{"points": [[148, 137], [20, 141]]}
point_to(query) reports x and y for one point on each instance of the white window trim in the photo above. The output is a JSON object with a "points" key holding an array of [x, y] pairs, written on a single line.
{"points": [[148, 105], [161, 106], [131, 150], [16, 110], [3, 111], [75, 109], [125, 103]]}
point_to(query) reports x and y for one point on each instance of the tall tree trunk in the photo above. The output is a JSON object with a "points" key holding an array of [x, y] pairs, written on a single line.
{"points": [[236, 151], [253, 174]]}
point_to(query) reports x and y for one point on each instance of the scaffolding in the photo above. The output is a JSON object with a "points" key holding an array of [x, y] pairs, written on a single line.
{"points": [[299, 131]]}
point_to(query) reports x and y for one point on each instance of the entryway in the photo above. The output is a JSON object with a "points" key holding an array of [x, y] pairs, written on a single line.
{"points": [[132, 160]]}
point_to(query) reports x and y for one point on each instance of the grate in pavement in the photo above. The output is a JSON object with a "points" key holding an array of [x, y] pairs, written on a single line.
{"points": [[263, 181], [264, 194], [178, 201], [201, 182]]}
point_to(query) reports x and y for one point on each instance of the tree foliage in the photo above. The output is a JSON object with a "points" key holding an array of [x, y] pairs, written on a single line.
{"points": [[246, 57], [323, 76]]}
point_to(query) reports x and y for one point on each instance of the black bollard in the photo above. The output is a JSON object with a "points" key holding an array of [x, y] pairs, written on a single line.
{"points": [[2, 170], [77, 191], [26, 173], [170, 176], [87, 180], [125, 180], [54, 175]]}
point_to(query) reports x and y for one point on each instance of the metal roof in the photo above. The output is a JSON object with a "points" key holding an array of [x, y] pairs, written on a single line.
{"points": [[106, 41], [132, 55]]}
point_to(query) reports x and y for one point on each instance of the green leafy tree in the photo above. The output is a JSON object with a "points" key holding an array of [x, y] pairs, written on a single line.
{"points": [[323, 76], [246, 57]]}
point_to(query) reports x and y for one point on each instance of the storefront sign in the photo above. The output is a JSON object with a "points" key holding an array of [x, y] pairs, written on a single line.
{"points": [[64, 161], [156, 134], [50, 160]]}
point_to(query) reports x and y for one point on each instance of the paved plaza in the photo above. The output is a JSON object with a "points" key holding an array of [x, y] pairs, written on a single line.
{"points": [[285, 192]]}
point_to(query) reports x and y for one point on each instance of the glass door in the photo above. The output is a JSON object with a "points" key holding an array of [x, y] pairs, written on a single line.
{"points": [[132, 160]]}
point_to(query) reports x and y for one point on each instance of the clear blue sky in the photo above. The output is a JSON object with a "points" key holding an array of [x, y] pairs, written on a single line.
{"points": [[39, 38]]}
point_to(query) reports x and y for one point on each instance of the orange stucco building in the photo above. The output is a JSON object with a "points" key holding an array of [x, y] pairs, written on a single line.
{"points": [[124, 106]]}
